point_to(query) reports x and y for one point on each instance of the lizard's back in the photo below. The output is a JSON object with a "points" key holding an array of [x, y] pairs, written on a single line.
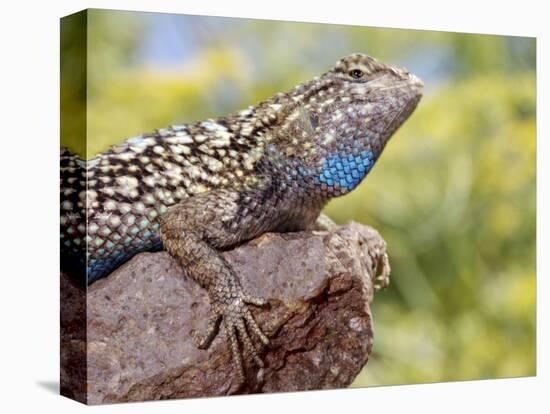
{"points": [[127, 188]]}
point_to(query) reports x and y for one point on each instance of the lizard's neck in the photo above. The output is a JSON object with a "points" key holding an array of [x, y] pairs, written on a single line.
{"points": [[342, 170], [333, 174]]}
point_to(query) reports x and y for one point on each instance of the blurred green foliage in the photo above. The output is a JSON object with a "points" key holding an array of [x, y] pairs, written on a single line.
{"points": [[453, 194], [73, 76]]}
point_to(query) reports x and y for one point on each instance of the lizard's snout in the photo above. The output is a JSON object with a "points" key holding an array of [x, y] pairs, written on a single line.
{"points": [[416, 81]]}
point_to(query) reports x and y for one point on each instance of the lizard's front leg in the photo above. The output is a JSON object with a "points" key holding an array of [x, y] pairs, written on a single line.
{"points": [[191, 232]]}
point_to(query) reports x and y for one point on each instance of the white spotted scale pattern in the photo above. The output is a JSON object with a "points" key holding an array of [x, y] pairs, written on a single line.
{"points": [[122, 192]]}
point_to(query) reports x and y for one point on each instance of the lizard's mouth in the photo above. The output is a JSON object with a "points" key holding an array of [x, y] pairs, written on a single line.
{"points": [[416, 83]]}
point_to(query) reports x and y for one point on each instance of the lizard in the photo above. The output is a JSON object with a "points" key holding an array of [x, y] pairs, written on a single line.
{"points": [[197, 189]]}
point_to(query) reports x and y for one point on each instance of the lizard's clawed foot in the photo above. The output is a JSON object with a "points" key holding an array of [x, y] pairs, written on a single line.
{"points": [[382, 279], [237, 320], [324, 223]]}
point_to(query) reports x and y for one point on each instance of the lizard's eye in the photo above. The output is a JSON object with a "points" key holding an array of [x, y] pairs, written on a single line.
{"points": [[356, 73]]}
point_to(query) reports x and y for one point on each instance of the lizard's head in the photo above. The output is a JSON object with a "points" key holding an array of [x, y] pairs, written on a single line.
{"points": [[343, 119]]}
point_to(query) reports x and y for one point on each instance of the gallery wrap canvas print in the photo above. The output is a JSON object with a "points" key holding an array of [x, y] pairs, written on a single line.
{"points": [[257, 206]]}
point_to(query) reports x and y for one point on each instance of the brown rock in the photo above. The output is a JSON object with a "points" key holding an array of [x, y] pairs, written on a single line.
{"points": [[319, 286]]}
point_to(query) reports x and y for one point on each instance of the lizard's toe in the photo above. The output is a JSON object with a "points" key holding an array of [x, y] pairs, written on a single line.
{"points": [[254, 327], [236, 353], [202, 341], [252, 300], [249, 346]]}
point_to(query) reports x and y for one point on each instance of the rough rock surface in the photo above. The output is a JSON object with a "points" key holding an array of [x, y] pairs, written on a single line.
{"points": [[319, 286]]}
